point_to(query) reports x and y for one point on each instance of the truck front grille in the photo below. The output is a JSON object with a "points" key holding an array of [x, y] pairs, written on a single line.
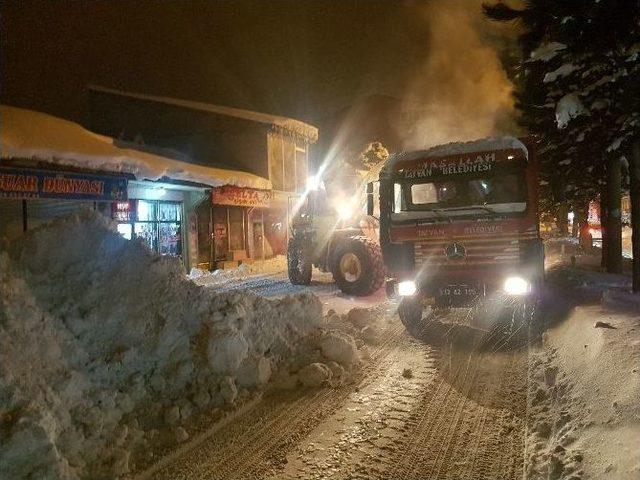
{"points": [[476, 251]]}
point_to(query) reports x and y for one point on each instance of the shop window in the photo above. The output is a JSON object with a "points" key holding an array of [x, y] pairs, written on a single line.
{"points": [[158, 223], [126, 230], [276, 157], [288, 159], [148, 232], [145, 211], [169, 212]]}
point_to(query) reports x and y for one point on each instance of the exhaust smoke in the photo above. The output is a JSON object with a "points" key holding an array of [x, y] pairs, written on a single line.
{"points": [[462, 91]]}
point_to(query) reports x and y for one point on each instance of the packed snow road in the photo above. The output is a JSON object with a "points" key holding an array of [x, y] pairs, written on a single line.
{"points": [[277, 284], [415, 410]]}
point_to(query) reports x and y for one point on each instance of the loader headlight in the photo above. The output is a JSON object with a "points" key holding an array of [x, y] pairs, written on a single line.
{"points": [[516, 286], [407, 288], [345, 211], [313, 182]]}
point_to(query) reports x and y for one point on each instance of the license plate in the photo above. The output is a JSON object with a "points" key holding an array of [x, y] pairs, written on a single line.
{"points": [[456, 295], [458, 291]]}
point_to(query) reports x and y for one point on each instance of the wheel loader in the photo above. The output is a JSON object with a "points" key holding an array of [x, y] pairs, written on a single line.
{"points": [[331, 233]]}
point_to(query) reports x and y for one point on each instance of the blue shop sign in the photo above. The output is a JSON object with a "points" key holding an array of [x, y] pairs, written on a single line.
{"points": [[25, 183]]}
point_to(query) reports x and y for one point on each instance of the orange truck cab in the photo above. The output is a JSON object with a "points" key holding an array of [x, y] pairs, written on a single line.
{"points": [[459, 225]]}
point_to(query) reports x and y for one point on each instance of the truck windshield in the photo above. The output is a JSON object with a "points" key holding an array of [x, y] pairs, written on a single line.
{"points": [[501, 193]]}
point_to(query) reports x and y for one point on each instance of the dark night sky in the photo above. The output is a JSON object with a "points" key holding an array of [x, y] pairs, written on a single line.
{"points": [[302, 58]]}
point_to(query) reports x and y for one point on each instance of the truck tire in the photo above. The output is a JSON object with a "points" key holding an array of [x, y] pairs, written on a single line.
{"points": [[410, 313], [357, 266], [299, 263]]}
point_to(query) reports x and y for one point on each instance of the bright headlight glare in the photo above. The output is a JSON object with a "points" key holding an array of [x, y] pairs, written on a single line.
{"points": [[516, 286], [313, 182], [345, 211], [407, 288]]}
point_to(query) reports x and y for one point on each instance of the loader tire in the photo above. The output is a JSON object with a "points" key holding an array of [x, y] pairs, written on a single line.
{"points": [[299, 263], [357, 266]]}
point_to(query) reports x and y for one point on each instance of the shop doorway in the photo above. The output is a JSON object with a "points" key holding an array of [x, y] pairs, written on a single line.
{"points": [[258, 241], [158, 223]]}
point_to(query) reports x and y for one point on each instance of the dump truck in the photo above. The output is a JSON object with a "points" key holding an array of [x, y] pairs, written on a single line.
{"points": [[459, 229]]}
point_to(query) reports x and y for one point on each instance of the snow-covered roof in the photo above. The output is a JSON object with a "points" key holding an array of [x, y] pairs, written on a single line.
{"points": [[460, 148], [295, 126], [36, 135]]}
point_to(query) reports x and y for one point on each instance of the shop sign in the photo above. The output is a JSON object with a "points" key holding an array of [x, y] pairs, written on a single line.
{"points": [[122, 211], [24, 183], [241, 197], [464, 164], [219, 230]]}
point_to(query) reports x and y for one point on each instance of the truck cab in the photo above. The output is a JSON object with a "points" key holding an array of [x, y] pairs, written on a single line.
{"points": [[459, 226]]}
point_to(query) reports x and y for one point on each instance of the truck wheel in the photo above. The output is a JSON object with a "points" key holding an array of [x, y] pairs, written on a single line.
{"points": [[357, 266], [410, 313], [299, 262]]}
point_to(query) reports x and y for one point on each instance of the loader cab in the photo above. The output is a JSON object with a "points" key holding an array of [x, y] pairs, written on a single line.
{"points": [[330, 234]]}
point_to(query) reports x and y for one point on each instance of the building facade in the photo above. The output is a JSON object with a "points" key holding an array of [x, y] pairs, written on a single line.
{"points": [[235, 223], [50, 167]]}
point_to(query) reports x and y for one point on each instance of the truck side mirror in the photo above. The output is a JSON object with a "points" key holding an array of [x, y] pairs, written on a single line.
{"points": [[370, 198]]}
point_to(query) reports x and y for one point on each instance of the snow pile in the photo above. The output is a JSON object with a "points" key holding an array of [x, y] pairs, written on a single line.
{"points": [[106, 349], [273, 265], [584, 389], [28, 134], [333, 355], [460, 148]]}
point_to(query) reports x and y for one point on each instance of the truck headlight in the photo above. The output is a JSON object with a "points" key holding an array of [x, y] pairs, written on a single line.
{"points": [[516, 286], [407, 288]]}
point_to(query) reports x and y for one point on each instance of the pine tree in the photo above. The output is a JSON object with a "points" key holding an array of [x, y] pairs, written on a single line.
{"points": [[577, 88]]}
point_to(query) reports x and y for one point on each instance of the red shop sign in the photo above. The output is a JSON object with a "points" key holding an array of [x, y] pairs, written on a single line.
{"points": [[241, 197], [122, 211]]}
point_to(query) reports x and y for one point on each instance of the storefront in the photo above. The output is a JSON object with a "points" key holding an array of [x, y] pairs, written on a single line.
{"points": [[240, 225], [163, 216], [157, 222], [30, 197], [51, 167]]}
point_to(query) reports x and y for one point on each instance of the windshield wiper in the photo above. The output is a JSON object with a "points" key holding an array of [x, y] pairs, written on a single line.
{"points": [[470, 207], [440, 215]]}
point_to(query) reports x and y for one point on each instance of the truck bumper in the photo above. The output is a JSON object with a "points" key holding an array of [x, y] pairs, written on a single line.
{"points": [[463, 291]]}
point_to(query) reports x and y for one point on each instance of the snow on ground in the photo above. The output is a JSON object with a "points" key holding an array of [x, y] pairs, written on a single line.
{"points": [[269, 279], [584, 384], [272, 265], [108, 352]]}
